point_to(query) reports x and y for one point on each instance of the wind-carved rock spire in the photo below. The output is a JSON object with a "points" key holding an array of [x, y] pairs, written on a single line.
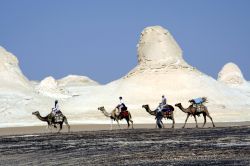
{"points": [[10, 73], [157, 45], [231, 74], [158, 50]]}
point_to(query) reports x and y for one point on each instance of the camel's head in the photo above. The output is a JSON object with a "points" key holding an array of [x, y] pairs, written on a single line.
{"points": [[178, 104], [35, 113], [145, 106], [101, 108]]}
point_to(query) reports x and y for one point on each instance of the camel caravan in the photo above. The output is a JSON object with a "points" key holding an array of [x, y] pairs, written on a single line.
{"points": [[164, 110], [121, 112]]}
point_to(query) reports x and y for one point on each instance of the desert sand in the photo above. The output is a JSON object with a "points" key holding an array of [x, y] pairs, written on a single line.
{"points": [[97, 127], [142, 146]]}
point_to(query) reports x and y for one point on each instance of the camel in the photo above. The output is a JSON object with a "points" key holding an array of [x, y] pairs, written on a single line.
{"points": [[167, 115], [191, 110], [114, 117], [51, 122]]}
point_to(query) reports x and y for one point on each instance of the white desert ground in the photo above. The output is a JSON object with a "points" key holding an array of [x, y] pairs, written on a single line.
{"points": [[161, 69]]}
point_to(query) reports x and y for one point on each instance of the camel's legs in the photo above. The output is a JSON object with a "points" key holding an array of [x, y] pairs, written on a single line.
{"points": [[195, 121], [130, 120], [186, 120], [205, 120], [211, 119], [131, 123], [66, 122], [118, 123], [111, 124], [127, 122], [48, 127], [60, 128], [173, 122], [51, 128]]}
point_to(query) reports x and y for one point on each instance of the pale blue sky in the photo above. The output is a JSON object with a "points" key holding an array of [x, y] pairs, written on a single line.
{"points": [[98, 38]]}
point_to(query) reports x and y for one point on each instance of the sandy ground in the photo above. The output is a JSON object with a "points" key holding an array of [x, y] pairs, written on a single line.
{"points": [[96, 127], [227, 145]]}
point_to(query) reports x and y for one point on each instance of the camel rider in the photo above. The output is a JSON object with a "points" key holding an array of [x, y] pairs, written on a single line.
{"points": [[163, 103], [121, 107], [56, 111]]}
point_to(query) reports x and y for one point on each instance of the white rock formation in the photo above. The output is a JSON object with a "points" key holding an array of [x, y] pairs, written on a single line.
{"points": [[10, 73], [158, 51], [49, 87], [231, 74], [161, 70], [74, 80], [157, 47]]}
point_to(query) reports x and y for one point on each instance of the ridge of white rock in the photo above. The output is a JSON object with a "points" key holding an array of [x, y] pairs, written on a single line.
{"points": [[49, 87], [157, 51], [75, 80], [231, 74], [10, 74], [161, 70]]}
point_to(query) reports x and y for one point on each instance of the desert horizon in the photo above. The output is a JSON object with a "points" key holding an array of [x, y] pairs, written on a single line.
{"points": [[42, 129]]}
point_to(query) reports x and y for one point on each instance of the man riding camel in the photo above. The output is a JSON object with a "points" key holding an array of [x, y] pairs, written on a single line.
{"points": [[56, 112], [121, 107], [162, 104]]}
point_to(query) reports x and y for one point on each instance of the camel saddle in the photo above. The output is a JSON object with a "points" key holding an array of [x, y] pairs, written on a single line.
{"points": [[166, 109], [198, 107], [58, 117], [167, 113], [199, 100], [123, 114]]}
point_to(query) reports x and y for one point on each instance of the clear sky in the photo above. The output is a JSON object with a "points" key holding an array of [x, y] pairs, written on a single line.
{"points": [[97, 38]]}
